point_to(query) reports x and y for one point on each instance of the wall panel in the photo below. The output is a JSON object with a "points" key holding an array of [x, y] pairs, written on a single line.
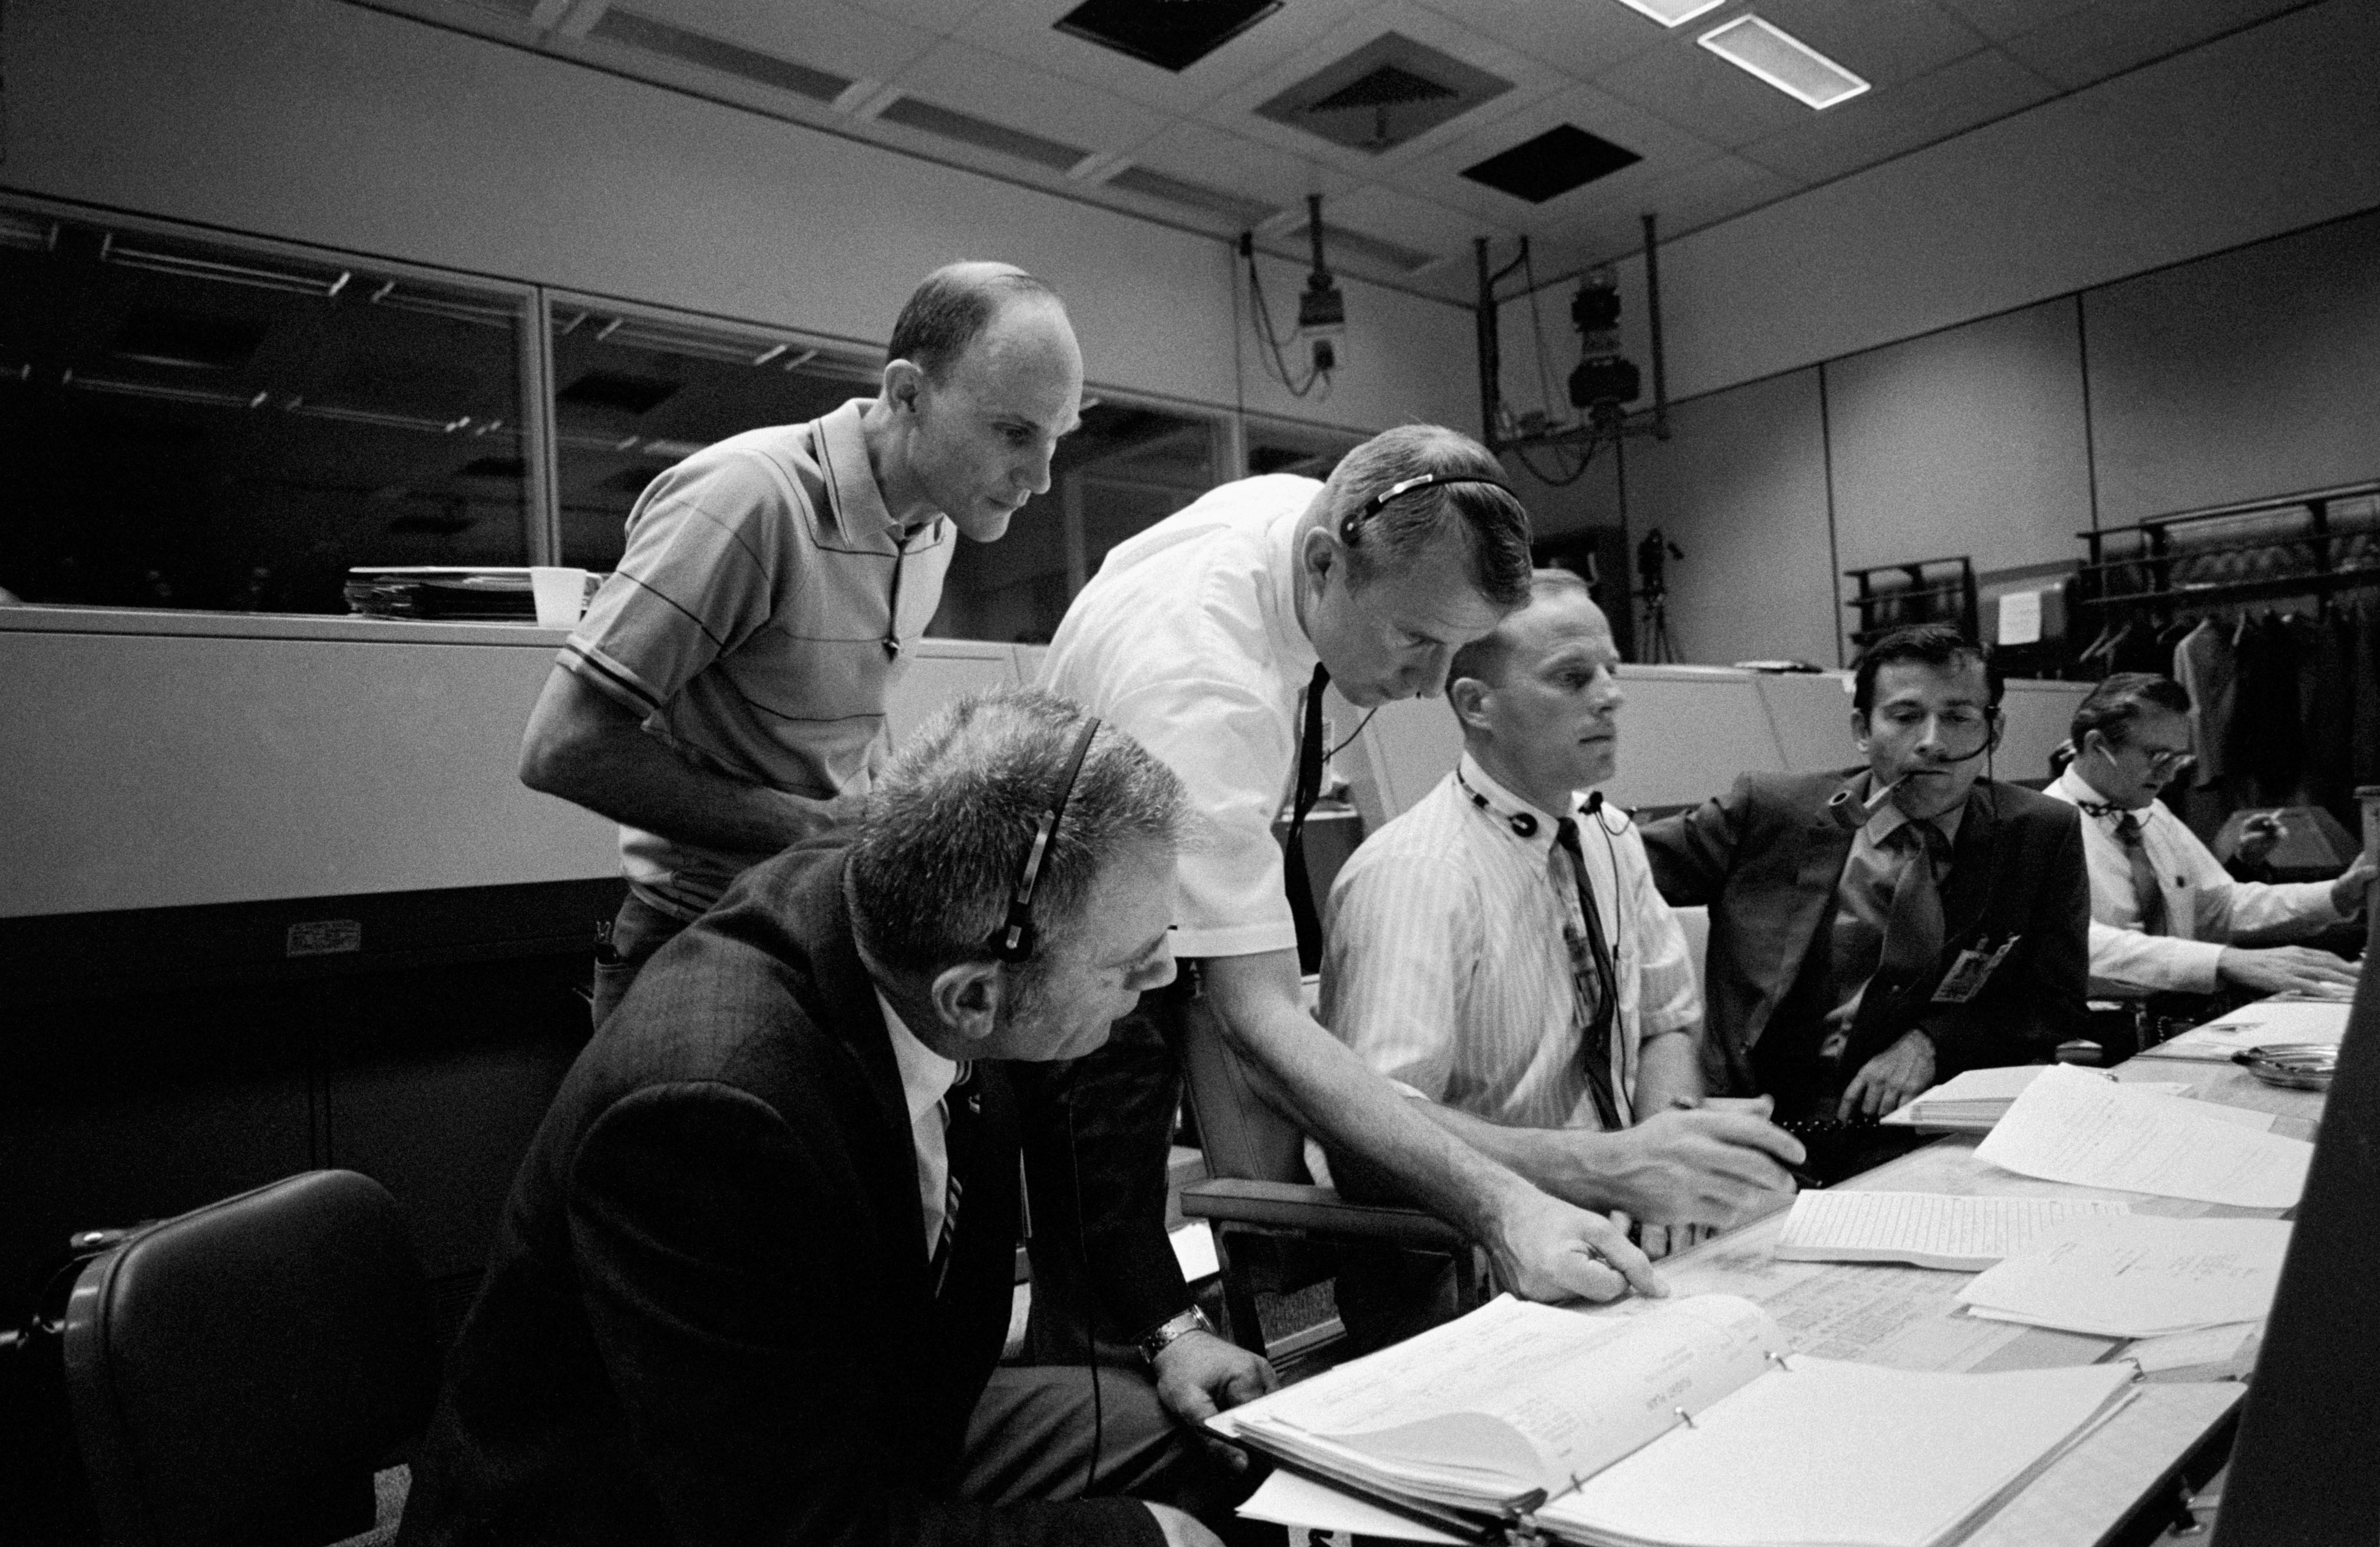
{"points": [[2248, 374], [1741, 487]]}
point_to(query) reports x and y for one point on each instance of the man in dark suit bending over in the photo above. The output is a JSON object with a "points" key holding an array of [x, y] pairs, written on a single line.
{"points": [[1877, 930], [754, 1275]]}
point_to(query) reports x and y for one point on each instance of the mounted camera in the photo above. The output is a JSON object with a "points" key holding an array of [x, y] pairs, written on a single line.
{"points": [[1603, 380]]}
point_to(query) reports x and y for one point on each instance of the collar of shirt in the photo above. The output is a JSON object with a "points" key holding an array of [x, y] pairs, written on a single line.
{"points": [[926, 1075], [2080, 792], [1502, 804], [843, 450], [1294, 652]]}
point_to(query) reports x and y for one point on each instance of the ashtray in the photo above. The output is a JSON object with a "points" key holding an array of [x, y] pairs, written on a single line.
{"points": [[2298, 1066]]}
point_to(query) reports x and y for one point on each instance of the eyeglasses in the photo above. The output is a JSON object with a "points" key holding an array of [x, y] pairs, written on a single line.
{"points": [[2164, 762], [1012, 941]]}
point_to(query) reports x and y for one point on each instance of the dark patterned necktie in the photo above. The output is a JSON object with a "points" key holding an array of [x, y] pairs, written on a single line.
{"points": [[962, 1108], [1597, 984], [1309, 788], [1912, 929], [2145, 890]]}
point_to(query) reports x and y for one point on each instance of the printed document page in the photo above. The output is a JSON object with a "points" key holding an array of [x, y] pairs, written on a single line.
{"points": [[2143, 1275], [1930, 1230], [1826, 1452], [2072, 1127]]}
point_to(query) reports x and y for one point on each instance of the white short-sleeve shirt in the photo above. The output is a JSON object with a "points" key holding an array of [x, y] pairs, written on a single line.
{"points": [[1188, 639]]}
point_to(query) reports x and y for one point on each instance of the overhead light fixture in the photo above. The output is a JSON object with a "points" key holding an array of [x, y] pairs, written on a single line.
{"points": [[1784, 61], [1673, 13]]}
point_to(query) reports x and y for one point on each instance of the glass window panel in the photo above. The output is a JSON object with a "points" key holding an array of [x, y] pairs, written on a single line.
{"points": [[1125, 469], [194, 423], [635, 393]]}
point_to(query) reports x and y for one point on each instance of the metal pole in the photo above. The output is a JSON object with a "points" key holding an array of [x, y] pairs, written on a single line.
{"points": [[1653, 316], [1491, 354]]}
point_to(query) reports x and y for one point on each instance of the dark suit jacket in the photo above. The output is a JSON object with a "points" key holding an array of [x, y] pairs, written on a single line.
{"points": [[1764, 859], [707, 1316]]}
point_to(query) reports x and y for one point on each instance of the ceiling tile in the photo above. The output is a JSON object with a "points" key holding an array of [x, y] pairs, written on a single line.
{"points": [[1718, 190], [824, 34], [1882, 125], [1690, 87], [2115, 35], [1007, 92], [1379, 211], [1880, 44], [938, 16], [1206, 154], [1663, 145], [1579, 38], [1026, 30], [2005, 18]]}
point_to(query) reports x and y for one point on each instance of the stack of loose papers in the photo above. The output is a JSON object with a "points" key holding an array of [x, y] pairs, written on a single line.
{"points": [[1973, 1102], [1930, 1230], [2143, 1275], [2263, 1024], [2074, 1126]]}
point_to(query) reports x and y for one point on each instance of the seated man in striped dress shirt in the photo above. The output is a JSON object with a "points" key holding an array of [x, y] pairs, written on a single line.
{"points": [[1554, 1026]]}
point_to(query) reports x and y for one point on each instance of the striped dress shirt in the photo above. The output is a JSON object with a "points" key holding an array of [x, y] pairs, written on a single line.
{"points": [[1445, 967]]}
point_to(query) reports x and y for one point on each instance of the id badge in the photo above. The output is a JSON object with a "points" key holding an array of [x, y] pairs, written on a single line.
{"points": [[1971, 972]]}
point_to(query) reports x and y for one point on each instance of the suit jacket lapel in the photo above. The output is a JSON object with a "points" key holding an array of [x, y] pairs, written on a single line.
{"points": [[1969, 888], [842, 1000]]}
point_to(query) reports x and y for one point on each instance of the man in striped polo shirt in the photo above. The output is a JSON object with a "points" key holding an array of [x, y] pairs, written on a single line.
{"points": [[723, 697], [1499, 953]]}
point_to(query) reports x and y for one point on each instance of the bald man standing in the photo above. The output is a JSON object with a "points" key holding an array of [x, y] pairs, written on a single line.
{"points": [[723, 697]]}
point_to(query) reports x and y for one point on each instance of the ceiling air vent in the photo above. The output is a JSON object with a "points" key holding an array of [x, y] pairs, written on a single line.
{"points": [[1384, 94], [982, 133], [1241, 212], [1562, 158], [632, 30], [1173, 35]]}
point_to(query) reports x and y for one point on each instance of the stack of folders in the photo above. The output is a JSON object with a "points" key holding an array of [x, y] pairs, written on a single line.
{"points": [[1690, 1424], [1973, 1102]]}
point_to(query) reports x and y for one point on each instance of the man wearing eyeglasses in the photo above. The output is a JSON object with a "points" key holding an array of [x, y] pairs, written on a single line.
{"points": [[1211, 636], [2163, 909], [1874, 932], [753, 1279]]}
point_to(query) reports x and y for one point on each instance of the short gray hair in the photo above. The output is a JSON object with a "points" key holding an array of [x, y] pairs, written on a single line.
{"points": [[1485, 657], [946, 831], [1494, 526]]}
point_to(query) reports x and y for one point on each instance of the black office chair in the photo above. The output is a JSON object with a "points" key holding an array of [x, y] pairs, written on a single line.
{"points": [[236, 1374]]}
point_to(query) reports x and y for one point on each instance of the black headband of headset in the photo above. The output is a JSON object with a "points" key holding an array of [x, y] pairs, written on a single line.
{"points": [[1350, 525]]}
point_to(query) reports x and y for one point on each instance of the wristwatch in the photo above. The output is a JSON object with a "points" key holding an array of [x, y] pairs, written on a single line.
{"points": [[1172, 1331]]}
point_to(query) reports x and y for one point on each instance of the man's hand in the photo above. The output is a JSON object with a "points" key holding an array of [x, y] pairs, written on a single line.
{"points": [[1180, 1530], [1547, 1249], [1706, 1166], [1198, 1375], [2259, 836], [2285, 970], [2347, 893], [1891, 1078]]}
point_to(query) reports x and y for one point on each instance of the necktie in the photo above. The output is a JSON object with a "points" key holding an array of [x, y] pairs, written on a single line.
{"points": [[1597, 984], [1913, 930], [962, 1107], [1309, 787], [2145, 889]]}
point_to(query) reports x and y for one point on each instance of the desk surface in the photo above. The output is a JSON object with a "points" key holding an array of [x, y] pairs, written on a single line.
{"points": [[1909, 1317]]}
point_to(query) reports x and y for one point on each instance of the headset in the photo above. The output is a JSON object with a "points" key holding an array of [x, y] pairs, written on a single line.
{"points": [[1854, 816], [1012, 942], [1525, 825], [1350, 525]]}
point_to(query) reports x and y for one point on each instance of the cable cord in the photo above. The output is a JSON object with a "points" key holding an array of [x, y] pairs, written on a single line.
{"points": [[1269, 336]]}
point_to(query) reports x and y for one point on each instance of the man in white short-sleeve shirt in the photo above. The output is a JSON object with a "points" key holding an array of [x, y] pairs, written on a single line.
{"points": [[723, 697], [2164, 912], [1200, 637]]}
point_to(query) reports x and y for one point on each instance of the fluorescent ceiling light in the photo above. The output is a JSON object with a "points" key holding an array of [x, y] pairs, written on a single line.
{"points": [[1672, 13], [1782, 60]]}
